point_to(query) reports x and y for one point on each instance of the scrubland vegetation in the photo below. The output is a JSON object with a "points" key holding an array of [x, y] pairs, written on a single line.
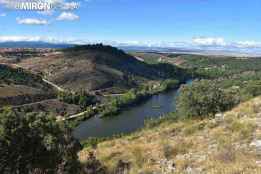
{"points": [[18, 76], [203, 136], [18, 86], [81, 98], [36, 143], [173, 145], [212, 131], [205, 99]]}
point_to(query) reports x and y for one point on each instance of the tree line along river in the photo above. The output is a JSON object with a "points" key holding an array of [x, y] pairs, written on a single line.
{"points": [[131, 119]]}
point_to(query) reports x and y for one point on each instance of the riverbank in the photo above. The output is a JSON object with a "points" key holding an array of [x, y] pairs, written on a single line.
{"points": [[130, 119], [117, 104], [225, 145], [135, 97]]}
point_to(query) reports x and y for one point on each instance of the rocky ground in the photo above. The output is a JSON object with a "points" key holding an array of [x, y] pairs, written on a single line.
{"points": [[227, 144]]}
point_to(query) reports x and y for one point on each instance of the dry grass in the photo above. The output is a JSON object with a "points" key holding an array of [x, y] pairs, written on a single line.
{"points": [[203, 146]]}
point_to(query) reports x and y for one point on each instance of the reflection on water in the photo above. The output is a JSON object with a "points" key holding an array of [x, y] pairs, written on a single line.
{"points": [[129, 120]]}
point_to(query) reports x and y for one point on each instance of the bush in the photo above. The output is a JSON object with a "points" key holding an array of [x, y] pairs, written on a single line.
{"points": [[252, 88], [94, 166], [204, 98], [81, 98], [36, 143]]}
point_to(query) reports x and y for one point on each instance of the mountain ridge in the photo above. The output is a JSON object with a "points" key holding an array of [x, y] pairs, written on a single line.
{"points": [[137, 48], [95, 67]]}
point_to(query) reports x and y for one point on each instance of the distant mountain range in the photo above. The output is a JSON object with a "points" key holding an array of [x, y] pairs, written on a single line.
{"points": [[196, 51], [200, 51], [28, 44]]}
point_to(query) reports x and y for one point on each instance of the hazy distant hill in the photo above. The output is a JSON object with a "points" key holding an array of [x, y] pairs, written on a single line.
{"points": [[26, 44], [137, 48]]}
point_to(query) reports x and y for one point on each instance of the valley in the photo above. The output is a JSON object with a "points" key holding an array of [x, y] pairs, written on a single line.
{"points": [[81, 77], [108, 99], [130, 87]]}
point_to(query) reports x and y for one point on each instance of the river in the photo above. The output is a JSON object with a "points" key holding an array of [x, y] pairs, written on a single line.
{"points": [[129, 120]]}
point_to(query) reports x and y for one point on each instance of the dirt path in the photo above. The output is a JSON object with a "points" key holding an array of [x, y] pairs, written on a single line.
{"points": [[54, 85], [112, 95], [73, 116], [45, 80], [60, 89]]}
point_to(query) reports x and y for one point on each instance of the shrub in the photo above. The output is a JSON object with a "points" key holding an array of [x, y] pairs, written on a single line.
{"points": [[93, 166], [137, 152], [227, 154], [204, 98], [243, 129], [193, 128], [36, 142], [81, 98], [169, 84]]}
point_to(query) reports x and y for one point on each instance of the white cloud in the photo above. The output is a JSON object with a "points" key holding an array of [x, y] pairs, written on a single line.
{"points": [[7, 4], [18, 38], [31, 21], [13, 38], [2, 14], [252, 47], [64, 5], [70, 5], [67, 16], [54, 1], [209, 41], [248, 44], [215, 42]]}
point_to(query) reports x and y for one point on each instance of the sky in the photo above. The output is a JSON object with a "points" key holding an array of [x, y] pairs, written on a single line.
{"points": [[172, 23]]}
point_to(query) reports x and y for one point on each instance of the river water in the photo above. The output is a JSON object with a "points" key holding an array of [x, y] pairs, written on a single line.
{"points": [[129, 120]]}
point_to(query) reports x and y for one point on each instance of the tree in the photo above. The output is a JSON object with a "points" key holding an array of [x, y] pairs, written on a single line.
{"points": [[36, 143], [81, 98], [252, 88], [204, 98]]}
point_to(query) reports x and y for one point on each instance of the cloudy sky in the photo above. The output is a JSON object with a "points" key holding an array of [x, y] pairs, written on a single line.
{"points": [[231, 24]]}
